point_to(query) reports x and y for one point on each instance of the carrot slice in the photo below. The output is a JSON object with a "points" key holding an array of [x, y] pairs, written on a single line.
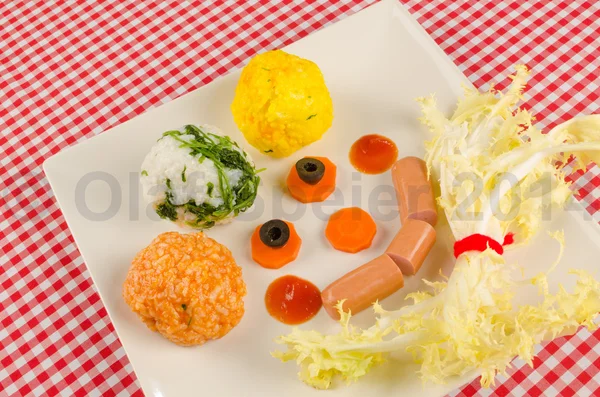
{"points": [[350, 230], [275, 258], [307, 193]]}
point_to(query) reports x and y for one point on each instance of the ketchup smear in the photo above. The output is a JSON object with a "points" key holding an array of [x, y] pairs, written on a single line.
{"points": [[292, 300], [373, 154]]}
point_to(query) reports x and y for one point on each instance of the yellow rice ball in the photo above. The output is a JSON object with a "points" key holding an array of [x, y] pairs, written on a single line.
{"points": [[281, 103]]}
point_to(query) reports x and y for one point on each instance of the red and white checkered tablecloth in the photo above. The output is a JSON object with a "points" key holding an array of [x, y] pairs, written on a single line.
{"points": [[70, 70]]}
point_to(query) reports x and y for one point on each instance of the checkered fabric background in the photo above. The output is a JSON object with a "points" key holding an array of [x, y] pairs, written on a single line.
{"points": [[69, 70]]}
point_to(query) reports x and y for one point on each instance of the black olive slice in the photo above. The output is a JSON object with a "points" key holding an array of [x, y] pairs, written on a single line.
{"points": [[310, 170], [274, 233]]}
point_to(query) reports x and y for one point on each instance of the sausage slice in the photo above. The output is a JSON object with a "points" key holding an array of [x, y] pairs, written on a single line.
{"points": [[363, 286], [411, 245], [414, 191]]}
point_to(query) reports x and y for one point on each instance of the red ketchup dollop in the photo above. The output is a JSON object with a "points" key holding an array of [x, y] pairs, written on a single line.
{"points": [[293, 300], [373, 154]]}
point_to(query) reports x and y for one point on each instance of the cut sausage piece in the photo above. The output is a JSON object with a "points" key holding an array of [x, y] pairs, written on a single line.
{"points": [[411, 245], [363, 286], [414, 191]]}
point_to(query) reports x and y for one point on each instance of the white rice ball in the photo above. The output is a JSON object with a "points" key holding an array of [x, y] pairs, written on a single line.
{"points": [[172, 174]]}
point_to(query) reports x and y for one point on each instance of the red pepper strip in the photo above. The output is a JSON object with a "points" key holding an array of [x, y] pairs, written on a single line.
{"points": [[480, 242]]}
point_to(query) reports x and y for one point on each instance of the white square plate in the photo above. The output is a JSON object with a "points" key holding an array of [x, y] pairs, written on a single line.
{"points": [[375, 63]]}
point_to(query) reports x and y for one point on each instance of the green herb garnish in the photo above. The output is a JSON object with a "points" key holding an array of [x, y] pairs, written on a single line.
{"points": [[184, 306], [269, 151], [168, 184], [183, 173], [209, 188], [144, 173], [311, 116], [268, 70], [166, 209]]}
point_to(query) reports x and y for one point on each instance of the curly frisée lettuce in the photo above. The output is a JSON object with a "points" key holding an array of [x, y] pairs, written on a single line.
{"points": [[465, 324], [492, 146], [470, 322], [198, 177]]}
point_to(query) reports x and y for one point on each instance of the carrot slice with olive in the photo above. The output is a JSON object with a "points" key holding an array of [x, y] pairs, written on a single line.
{"points": [[275, 244], [350, 230], [315, 181]]}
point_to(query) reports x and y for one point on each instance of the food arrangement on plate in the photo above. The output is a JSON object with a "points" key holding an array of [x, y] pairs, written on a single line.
{"points": [[190, 289]]}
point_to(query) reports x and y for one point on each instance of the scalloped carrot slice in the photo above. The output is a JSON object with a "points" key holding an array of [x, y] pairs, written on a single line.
{"points": [[350, 230], [275, 258], [307, 193]]}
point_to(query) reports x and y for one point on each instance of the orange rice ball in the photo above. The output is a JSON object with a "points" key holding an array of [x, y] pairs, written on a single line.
{"points": [[187, 287]]}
